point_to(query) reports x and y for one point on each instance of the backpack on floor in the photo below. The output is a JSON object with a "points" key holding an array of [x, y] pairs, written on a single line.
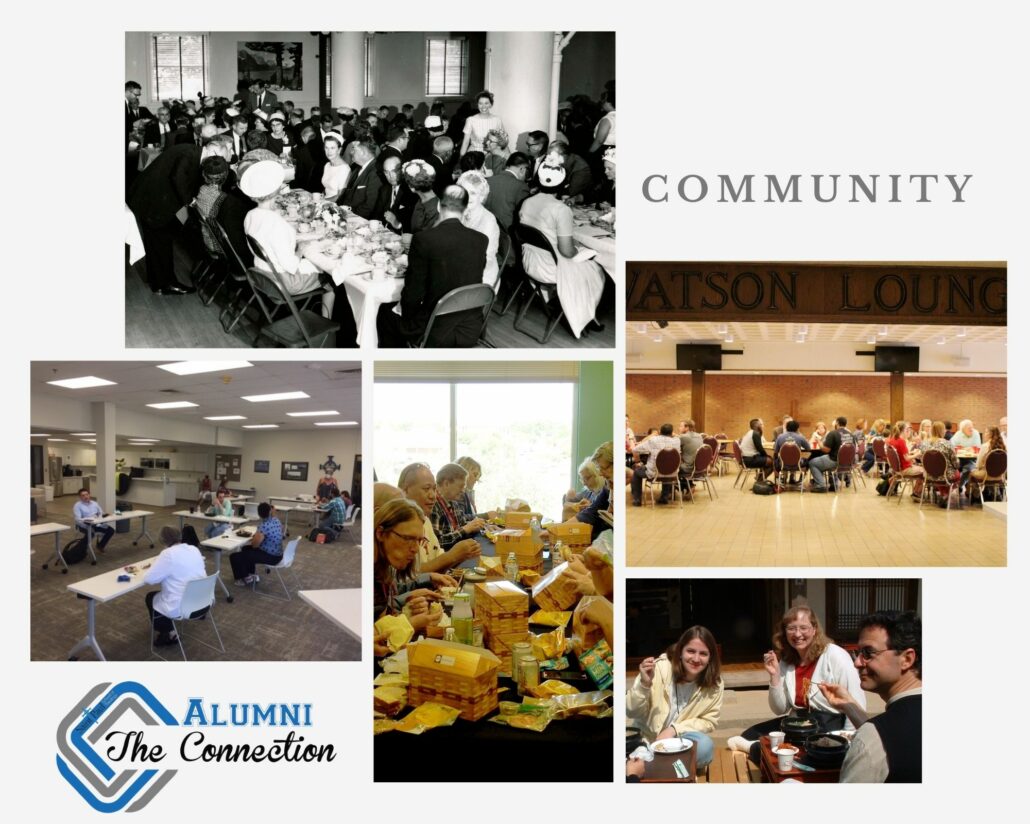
{"points": [[189, 536], [763, 488], [74, 551], [322, 535], [883, 486]]}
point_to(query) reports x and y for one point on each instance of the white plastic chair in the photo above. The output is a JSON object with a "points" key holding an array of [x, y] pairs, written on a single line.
{"points": [[250, 509], [286, 563], [199, 595], [352, 517]]}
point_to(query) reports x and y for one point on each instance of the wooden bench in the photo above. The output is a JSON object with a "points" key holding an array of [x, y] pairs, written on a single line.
{"points": [[730, 767]]}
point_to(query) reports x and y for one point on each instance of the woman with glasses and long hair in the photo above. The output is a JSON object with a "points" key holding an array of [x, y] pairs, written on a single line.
{"points": [[679, 693], [802, 658], [397, 537]]}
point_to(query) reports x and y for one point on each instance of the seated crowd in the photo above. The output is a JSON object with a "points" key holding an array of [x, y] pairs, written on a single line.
{"points": [[452, 187], [680, 693], [426, 526], [819, 454]]}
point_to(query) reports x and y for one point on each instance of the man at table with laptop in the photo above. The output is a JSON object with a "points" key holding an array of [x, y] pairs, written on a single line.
{"points": [[86, 508], [176, 566], [266, 547]]}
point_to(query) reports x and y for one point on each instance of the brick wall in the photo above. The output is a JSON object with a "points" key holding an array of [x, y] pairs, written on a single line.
{"points": [[652, 400], [982, 400], [732, 400]]}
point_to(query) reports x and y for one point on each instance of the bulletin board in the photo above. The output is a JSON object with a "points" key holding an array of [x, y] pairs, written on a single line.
{"points": [[228, 467]]}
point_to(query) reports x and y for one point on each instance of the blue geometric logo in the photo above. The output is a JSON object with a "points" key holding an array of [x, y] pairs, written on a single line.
{"points": [[105, 789]]}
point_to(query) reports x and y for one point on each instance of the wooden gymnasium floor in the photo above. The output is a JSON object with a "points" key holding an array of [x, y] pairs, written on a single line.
{"points": [[847, 529], [253, 628]]}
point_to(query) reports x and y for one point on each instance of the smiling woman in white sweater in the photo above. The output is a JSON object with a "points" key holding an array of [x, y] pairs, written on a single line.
{"points": [[679, 693], [802, 657]]}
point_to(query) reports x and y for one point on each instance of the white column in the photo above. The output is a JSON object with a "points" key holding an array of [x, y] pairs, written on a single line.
{"points": [[104, 426], [518, 71], [348, 69]]}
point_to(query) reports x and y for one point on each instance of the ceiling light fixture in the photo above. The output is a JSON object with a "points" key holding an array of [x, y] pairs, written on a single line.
{"points": [[226, 418], [199, 367], [729, 338], [276, 396], [83, 434], [172, 405], [323, 413], [336, 423], [261, 426], [86, 382]]}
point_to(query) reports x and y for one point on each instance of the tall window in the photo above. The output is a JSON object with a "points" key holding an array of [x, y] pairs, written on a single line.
{"points": [[370, 55], [179, 64], [521, 433], [447, 66]]}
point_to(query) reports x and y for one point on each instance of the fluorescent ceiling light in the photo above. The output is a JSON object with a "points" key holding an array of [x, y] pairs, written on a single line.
{"points": [[83, 434], [261, 426], [312, 414], [171, 405], [199, 367], [58, 440], [336, 423], [40, 435], [226, 418], [276, 396], [88, 440], [871, 339], [86, 382]]}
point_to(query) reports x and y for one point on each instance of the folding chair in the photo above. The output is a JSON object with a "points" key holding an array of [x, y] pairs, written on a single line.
{"points": [[198, 600], [790, 462], [289, 554], [700, 474], [474, 296], [996, 465], [547, 292], [845, 467], [234, 310]]}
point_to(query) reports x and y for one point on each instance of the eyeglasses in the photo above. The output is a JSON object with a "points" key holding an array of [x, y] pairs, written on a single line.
{"points": [[411, 540], [867, 653]]}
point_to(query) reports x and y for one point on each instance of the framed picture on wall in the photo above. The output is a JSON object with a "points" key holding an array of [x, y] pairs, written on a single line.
{"points": [[261, 466], [294, 471]]}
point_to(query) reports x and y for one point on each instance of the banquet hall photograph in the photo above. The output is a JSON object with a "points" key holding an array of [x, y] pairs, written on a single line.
{"points": [[804, 414], [195, 510], [493, 570], [386, 190]]}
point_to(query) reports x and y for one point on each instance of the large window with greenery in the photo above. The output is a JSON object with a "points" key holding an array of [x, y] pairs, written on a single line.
{"points": [[179, 66], [521, 432]]}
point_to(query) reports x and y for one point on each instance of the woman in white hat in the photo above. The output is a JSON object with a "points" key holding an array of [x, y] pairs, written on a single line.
{"points": [[580, 283], [478, 217], [261, 183]]}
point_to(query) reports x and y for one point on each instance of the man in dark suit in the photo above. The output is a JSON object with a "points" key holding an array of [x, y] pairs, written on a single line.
{"points": [[508, 190], [161, 191], [261, 98], [364, 186], [399, 201], [441, 259], [578, 178], [442, 161], [308, 173], [160, 132], [396, 145], [136, 119]]}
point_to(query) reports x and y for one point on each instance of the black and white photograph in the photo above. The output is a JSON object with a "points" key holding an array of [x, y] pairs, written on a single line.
{"points": [[356, 189]]}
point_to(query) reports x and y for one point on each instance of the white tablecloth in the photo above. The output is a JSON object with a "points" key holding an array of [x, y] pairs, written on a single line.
{"points": [[604, 246], [133, 239]]}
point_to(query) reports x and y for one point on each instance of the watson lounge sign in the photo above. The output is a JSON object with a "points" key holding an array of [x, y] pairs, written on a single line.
{"points": [[816, 292]]}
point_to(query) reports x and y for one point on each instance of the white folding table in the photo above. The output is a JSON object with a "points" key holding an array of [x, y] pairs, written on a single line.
{"points": [[232, 520], [101, 589], [341, 606], [56, 529], [110, 519], [228, 542]]}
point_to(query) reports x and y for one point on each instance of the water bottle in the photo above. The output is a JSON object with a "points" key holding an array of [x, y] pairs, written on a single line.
{"points": [[511, 568], [556, 548], [461, 618], [534, 531]]}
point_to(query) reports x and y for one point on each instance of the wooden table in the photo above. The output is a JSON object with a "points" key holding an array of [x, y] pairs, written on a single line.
{"points": [[341, 606], [661, 771], [56, 529], [771, 772]]}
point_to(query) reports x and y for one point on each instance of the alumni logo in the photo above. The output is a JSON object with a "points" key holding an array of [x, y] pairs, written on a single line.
{"points": [[105, 755], [105, 788]]}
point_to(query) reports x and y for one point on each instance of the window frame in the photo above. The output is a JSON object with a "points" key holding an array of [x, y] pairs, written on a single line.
{"points": [[153, 91], [463, 82]]}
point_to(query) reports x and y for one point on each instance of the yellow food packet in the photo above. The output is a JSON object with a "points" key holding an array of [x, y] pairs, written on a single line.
{"points": [[383, 725], [552, 687], [389, 700], [391, 679], [528, 577], [428, 716], [550, 618], [398, 630], [549, 644]]}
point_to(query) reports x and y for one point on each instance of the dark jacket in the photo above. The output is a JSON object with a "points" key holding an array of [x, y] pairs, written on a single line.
{"points": [[166, 185], [506, 193], [364, 193]]}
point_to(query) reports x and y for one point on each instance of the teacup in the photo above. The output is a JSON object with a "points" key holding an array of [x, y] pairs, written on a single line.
{"points": [[375, 225]]}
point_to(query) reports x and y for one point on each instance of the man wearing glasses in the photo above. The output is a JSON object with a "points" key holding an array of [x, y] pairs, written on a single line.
{"points": [[887, 748], [418, 483]]}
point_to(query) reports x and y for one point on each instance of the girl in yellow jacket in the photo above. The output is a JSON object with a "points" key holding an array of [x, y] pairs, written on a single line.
{"points": [[680, 693]]}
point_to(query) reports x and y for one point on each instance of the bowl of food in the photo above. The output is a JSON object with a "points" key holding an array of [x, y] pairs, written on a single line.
{"points": [[826, 749], [671, 746], [797, 728]]}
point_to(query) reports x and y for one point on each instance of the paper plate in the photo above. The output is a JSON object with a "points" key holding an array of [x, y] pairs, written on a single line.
{"points": [[671, 746]]}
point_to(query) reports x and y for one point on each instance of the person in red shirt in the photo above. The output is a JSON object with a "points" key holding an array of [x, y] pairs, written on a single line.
{"points": [[898, 440]]}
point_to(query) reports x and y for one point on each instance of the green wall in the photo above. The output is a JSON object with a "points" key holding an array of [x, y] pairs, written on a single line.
{"points": [[594, 410]]}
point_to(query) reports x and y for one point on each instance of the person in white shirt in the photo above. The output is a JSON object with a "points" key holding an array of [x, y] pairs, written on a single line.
{"points": [[175, 567], [86, 508]]}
